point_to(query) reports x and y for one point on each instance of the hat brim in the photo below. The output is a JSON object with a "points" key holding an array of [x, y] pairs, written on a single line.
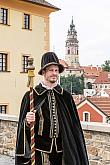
{"points": [[61, 67]]}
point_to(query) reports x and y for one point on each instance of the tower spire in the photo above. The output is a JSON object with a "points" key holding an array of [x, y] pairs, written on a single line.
{"points": [[72, 26], [72, 20]]}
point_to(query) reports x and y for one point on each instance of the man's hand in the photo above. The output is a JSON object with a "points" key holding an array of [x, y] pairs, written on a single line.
{"points": [[30, 117]]}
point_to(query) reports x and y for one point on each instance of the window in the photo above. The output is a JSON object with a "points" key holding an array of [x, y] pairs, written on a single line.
{"points": [[100, 86], [77, 51], [86, 116], [76, 60], [109, 75], [26, 21], [3, 109], [4, 16], [68, 51], [89, 85], [25, 63], [3, 62], [72, 62]]}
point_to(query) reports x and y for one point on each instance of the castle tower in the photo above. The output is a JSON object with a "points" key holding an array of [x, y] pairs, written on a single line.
{"points": [[72, 53]]}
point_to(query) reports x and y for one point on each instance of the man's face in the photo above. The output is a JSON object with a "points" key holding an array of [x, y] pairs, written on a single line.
{"points": [[51, 73]]}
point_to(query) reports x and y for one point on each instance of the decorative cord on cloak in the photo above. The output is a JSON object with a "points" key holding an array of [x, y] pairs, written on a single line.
{"points": [[30, 84]]}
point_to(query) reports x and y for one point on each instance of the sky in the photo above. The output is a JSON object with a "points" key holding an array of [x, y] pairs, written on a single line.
{"points": [[92, 23]]}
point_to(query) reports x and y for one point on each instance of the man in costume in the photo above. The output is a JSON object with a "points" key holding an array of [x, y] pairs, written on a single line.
{"points": [[59, 138]]}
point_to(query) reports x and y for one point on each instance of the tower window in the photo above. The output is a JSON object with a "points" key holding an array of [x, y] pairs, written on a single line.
{"points": [[3, 62], [75, 60], [72, 62], [26, 21], [68, 51], [4, 16]]}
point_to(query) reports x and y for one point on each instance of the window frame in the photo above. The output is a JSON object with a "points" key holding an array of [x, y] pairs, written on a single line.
{"points": [[1, 108], [24, 63], [27, 25], [68, 51], [4, 17], [84, 117], [2, 62]]}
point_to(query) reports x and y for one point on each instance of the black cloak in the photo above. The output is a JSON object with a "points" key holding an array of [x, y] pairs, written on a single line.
{"points": [[73, 143]]}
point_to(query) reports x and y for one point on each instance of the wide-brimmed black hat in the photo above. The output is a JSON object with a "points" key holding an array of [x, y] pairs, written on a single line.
{"points": [[50, 58]]}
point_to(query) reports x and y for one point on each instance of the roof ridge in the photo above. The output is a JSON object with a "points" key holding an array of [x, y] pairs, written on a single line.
{"points": [[42, 2]]}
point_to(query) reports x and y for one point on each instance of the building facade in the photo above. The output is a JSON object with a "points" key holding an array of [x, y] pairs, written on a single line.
{"points": [[94, 109], [102, 81], [24, 32]]}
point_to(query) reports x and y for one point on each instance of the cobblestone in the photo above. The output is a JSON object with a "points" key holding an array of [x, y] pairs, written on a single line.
{"points": [[4, 160]]}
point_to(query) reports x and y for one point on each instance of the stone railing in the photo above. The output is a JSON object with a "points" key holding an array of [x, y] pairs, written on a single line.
{"points": [[97, 137]]}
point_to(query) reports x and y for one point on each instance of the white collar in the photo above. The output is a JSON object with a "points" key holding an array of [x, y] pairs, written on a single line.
{"points": [[47, 87]]}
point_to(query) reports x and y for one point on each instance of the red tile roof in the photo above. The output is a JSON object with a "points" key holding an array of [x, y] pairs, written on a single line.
{"points": [[63, 63], [91, 72], [107, 91], [104, 78], [103, 103]]}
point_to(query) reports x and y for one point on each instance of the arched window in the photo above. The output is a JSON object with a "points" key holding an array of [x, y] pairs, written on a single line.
{"points": [[86, 116], [89, 85]]}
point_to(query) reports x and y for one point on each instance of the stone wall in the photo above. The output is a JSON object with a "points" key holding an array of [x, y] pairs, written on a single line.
{"points": [[97, 137], [8, 129]]}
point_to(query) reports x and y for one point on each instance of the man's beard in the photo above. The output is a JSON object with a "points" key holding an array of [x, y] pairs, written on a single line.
{"points": [[53, 80]]}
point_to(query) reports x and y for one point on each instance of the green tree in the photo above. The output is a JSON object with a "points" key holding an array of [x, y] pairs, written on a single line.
{"points": [[106, 66], [73, 84]]}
